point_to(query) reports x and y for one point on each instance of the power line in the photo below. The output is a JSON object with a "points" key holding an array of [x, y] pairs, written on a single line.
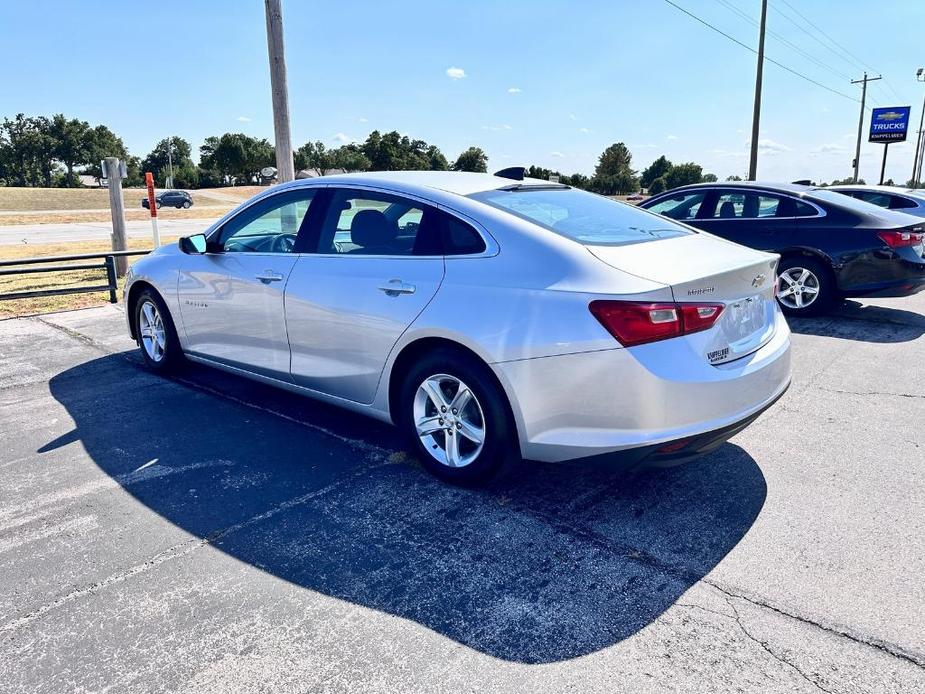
{"points": [[751, 20], [842, 52], [749, 48]]}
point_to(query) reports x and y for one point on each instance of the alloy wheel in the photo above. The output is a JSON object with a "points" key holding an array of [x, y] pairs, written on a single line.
{"points": [[797, 288], [449, 420], [152, 332]]}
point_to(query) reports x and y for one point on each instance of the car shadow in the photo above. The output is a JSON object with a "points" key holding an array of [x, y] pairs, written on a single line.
{"points": [[564, 562], [863, 322]]}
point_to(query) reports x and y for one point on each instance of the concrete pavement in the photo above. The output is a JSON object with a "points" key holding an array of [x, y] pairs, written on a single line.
{"points": [[208, 534]]}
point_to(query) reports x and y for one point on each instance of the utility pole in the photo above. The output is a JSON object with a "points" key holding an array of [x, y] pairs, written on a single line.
{"points": [[285, 170], [170, 162], [857, 151], [756, 113], [916, 162], [113, 171]]}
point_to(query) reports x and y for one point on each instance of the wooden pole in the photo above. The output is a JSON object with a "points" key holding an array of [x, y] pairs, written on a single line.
{"points": [[285, 170], [756, 109], [113, 171]]}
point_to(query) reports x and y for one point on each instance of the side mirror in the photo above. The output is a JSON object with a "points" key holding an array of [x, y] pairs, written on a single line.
{"points": [[193, 245]]}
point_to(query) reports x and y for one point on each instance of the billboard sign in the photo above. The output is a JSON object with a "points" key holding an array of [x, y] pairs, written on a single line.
{"points": [[889, 124]]}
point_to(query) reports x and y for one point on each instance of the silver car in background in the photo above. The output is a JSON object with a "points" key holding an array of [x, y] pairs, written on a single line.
{"points": [[492, 320], [908, 200]]}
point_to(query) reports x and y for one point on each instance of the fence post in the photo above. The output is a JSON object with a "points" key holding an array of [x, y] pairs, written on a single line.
{"points": [[111, 279], [113, 169]]}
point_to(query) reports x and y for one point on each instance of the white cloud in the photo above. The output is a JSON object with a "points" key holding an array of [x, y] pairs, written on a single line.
{"points": [[671, 137], [343, 139], [514, 90], [558, 155], [583, 130], [497, 128], [827, 148], [769, 147], [455, 73], [572, 116], [243, 119], [363, 120]]}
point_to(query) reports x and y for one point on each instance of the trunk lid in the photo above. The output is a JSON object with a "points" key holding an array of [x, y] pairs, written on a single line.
{"points": [[701, 268]]}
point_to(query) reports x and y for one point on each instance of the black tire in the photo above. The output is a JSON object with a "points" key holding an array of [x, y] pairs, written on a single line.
{"points": [[819, 277], [186, 204], [180, 206], [158, 204], [171, 355], [499, 452]]}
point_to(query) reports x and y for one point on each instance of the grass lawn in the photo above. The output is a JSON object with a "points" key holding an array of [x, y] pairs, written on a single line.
{"points": [[73, 278]]}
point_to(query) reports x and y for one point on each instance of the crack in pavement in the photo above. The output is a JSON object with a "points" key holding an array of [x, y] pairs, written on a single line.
{"points": [[872, 392], [769, 651]]}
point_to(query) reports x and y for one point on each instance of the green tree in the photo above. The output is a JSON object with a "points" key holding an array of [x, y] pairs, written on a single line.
{"points": [[613, 173], [472, 159], [30, 150], [657, 186], [657, 168], [351, 158], [174, 150], [314, 156], [71, 145], [683, 174], [541, 173], [709, 178], [234, 156], [577, 181], [101, 143], [733, 178], [395, 152]]}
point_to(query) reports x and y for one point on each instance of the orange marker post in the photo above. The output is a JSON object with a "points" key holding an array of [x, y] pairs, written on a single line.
{"points": [[152, 205]]}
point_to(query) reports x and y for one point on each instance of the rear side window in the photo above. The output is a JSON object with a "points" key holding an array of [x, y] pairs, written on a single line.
{"points": [[900, 203], [460, 238], [583, 217], [681, 206], [804, 209], [372, 223], [748, 205]]}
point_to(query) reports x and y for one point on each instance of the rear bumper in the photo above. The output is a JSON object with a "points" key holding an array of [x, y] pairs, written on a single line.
{"points": [[638, 402], [893, 288]]}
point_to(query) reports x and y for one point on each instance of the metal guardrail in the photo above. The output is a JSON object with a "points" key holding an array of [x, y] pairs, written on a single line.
{"points": [[11, 267]]}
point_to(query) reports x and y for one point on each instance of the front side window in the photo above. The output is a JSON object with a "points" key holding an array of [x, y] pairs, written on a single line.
{"points": [[681, 206], [371, 223], [583, 217], [269, 226]]}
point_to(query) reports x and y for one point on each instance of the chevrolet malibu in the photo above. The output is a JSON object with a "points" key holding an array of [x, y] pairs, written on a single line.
{"points": [[492, 319]]}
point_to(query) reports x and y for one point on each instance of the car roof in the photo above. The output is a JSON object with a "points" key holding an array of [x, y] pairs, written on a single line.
{"points": [[457, 182], [864, 186], [759, 185]]}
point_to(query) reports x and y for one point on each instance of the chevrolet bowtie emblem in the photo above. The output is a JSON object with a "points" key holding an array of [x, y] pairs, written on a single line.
{"points": [[758, 281]]}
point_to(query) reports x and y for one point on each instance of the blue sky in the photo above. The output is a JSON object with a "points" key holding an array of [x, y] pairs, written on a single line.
{"points": [[544, 82]]}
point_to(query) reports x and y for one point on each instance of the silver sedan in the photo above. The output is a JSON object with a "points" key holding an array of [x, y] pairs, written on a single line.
{"points": [[494, 320]]}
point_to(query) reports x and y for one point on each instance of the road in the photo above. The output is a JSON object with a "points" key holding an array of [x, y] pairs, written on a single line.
{"points": [[95, 231], [204, 533]]}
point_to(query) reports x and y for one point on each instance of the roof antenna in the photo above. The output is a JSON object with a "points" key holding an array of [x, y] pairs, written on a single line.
{"points": [[515, 173]]}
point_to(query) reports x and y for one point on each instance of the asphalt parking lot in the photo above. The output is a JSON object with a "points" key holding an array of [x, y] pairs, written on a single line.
{"points": [[206, 534]]}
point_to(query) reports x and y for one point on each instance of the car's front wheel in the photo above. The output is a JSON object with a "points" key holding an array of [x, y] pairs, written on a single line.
{"points": [[155, 332], [158, 203], [455, 415], [186, 204], [805, 287]]}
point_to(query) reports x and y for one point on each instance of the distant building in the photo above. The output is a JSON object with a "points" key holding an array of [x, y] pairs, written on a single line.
{"points": [[311, 173]]}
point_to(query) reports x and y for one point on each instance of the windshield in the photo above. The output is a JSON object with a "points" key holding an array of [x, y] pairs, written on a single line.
{"points": [[584, 217]]}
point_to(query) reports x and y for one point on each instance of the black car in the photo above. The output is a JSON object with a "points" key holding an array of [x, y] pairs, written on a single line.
{"points": [[171, 198], [831, 245]]}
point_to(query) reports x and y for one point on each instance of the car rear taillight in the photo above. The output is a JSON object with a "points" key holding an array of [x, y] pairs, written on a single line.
{"points": [[900, 238], [636, 323]]}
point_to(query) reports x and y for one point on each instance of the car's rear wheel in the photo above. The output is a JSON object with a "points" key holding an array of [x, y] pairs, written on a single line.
{"points": [[805, 287], [155, 332], [158, 203], [455, 415]]}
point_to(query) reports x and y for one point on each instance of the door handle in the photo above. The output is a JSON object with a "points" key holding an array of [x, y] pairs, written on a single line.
{"points": [[270, 276], [396, 287]]}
